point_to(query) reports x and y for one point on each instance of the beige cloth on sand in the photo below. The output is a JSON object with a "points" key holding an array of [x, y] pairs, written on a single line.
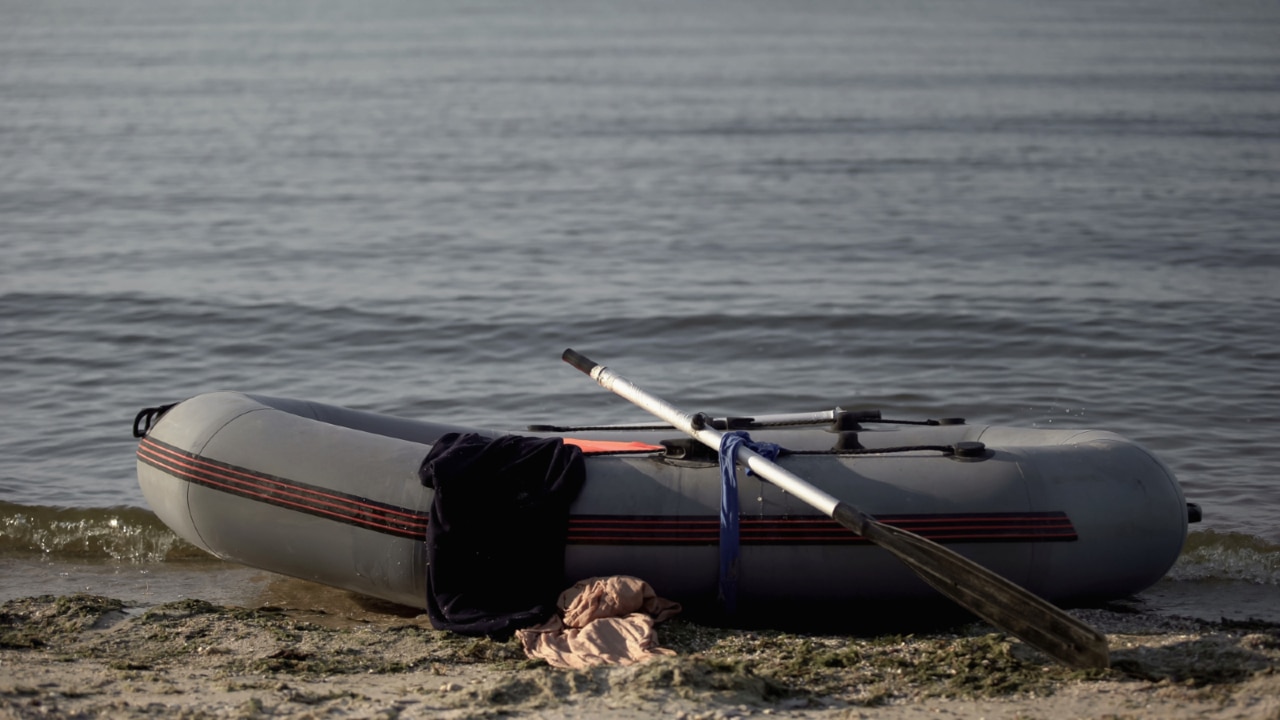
{"points": [[602, 621]]}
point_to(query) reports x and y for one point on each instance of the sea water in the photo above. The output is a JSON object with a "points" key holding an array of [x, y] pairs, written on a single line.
{"points": [[1015, 211]]}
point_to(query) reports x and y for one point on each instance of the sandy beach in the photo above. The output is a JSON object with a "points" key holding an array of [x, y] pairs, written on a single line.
{"points": [[85, 655]]}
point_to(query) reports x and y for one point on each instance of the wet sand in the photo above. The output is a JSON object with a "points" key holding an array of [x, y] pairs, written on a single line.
{"points": [[85, 655]]}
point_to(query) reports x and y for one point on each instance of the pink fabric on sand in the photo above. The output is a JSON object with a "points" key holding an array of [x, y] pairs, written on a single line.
{"points": [[602, 621]]}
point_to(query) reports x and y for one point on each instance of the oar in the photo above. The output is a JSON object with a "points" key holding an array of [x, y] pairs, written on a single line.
{"points": [[754, 422], [984, 593]]}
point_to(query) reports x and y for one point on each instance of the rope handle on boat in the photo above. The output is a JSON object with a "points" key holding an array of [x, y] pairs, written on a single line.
{"points": [[963, 450], [147, 417]]}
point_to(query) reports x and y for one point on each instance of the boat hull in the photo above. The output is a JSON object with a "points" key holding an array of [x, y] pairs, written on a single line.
{"points": [[332, 495]]}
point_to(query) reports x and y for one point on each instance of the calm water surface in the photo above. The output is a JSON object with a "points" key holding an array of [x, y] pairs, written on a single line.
{"points": [[1017, 212]]}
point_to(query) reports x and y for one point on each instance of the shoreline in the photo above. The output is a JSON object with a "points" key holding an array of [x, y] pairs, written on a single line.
{"points": [[88, 655]]}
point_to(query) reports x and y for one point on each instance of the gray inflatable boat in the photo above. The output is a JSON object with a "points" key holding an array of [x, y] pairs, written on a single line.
{"points": [[332, 495]]}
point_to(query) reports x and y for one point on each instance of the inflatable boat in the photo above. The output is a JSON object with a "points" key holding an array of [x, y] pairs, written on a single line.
{"points": [[335, 496]]}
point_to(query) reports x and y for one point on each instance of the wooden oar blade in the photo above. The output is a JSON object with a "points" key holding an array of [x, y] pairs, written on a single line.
{"points": [[994, 598]]}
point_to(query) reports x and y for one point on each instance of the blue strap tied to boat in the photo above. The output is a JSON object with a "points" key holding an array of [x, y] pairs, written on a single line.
{"points": [[729, 445]]}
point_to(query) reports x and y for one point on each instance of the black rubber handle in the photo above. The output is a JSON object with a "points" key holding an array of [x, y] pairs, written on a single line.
{"points": [[578, 360]]}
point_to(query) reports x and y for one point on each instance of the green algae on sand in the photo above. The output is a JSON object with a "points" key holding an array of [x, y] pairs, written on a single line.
{"points": [[86, 654]]}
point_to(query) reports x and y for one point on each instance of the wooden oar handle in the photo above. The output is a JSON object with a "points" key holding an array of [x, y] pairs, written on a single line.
{"points": [[578, 360]]}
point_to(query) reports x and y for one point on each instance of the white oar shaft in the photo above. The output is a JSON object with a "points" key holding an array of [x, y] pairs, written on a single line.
{"points": [[753, 422], [806, 418], [711, 437]]}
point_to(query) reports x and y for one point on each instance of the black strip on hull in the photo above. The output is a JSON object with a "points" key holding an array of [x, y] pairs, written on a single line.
{"points": [[281, 492], [601, 529]]}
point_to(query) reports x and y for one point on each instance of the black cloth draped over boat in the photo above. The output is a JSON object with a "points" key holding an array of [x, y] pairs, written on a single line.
{"points": [[496, 536]]}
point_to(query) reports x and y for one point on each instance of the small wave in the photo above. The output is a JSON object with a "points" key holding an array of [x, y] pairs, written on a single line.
{"points": [[125, 534], [1212, 555], [136, 535]]}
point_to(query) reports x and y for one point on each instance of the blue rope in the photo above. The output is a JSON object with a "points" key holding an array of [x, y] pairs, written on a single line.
{"points": [[729, 445]]}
